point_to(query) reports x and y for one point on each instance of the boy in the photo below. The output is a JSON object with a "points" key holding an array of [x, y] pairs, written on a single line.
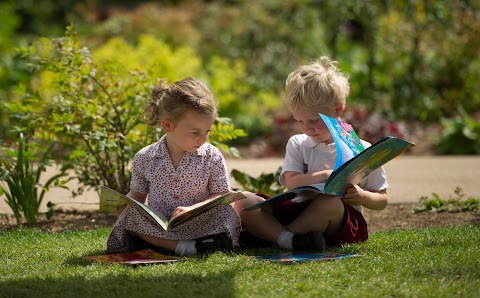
{"points": [[321, 220]]}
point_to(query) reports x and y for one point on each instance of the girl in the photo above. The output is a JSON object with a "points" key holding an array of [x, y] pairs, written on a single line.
{"points": [[181, 169]]}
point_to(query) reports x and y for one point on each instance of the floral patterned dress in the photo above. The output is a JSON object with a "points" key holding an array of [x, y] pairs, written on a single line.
{"points": [[198, 175]]}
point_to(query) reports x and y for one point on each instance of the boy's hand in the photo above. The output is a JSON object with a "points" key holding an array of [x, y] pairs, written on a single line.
{"points": [[323, 175], [354, 195]]}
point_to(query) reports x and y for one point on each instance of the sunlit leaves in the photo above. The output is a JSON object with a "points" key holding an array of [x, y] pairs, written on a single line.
{"points": [[93, 101]]}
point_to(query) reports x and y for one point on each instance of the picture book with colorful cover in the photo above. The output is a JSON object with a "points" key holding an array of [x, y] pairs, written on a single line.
{"points": [[300, 257], [146, 256], [353, 163], [112, 201]]}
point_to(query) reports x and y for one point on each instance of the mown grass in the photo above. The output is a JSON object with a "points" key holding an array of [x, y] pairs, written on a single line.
{"points": [[432, 262]]}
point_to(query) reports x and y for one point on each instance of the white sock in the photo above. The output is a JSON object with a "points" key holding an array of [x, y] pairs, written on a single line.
{"points": [[186, 248], [285, 240]]}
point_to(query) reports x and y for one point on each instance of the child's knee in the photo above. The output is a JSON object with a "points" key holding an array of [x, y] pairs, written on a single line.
{"points": [[328, 204], [250, 199]]}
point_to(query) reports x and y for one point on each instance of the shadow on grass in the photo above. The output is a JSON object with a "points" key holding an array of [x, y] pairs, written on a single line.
{"points": [[125, 282]]}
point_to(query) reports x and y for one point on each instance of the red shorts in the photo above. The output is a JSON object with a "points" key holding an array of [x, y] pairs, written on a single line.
{"points": [[354, 228]]}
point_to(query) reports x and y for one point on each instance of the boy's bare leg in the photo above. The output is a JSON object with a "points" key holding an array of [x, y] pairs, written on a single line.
{"points": [[260, 222], [324, 214]]}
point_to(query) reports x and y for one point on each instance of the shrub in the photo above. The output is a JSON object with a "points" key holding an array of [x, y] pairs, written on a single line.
{"points": [[461, 135], [456, 204], [96, 109], [266, 183]]}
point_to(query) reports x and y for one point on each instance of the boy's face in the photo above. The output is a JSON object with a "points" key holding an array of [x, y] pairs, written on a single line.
{"points": [[312, 125]]}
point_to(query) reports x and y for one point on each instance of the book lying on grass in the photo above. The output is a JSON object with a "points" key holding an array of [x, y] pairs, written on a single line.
{"points": [[112, 201], [353, 163], [298, 257], [146, 256]]}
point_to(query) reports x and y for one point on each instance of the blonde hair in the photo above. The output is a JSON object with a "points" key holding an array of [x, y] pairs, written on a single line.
{"points": [[318, 84], [173, 101]]}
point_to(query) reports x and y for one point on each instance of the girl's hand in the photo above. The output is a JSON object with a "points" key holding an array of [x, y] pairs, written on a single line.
{"points": [[179, 210], [354, 195]]}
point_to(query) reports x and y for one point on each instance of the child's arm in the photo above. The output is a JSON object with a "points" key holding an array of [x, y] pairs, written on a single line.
{"points": [[355, 195], [294, 179]]}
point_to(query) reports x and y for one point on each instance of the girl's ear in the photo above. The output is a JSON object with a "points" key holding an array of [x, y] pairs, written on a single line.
{"points": [[167, 125], [339, 110]]}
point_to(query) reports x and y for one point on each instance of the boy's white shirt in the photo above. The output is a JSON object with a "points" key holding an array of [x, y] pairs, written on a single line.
{"points": [[302, 151]]}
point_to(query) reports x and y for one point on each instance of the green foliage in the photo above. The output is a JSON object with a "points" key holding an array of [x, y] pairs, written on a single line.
{"points": [[408, 60], [460, 135], [11, 71], [223, 131], [404, 263], [274, 36], [20, 179], [150, 55], [95, 112], [96, 109], [266, 183], [456, 204], [425, 59]]}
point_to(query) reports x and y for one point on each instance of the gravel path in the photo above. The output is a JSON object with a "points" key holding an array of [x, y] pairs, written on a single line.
{"points": [[410, 177]]}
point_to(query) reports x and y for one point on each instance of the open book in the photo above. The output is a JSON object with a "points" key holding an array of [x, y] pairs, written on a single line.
{"points": [[112, 201], [353, 163]]}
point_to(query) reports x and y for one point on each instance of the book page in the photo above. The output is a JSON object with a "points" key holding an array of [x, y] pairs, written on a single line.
{"points": [[288, 195], [201, 207], [352, 172], [112, 201], [347, 143], [154, 214]]}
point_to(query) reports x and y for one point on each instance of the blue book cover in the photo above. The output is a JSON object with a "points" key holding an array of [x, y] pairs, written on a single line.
{"points": [[347, 143]]}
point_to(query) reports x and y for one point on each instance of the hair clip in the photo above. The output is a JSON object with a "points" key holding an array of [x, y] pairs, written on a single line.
{"points": [[197, 103]]}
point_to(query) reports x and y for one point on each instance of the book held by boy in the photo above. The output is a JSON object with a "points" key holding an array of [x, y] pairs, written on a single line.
{"points": [[112, 201], [353, 163]]}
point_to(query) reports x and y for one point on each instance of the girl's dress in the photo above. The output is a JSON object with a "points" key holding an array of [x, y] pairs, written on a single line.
{"points": [[197, 176]]}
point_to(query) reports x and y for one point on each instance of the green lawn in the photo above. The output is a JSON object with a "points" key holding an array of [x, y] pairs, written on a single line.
{"points": [[434, 262]]}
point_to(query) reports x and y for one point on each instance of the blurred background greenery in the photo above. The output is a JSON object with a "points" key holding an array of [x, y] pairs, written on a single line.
{"points": [[74, 76], [408, 61]]}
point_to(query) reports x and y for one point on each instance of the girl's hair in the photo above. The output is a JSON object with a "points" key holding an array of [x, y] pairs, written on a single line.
{"points": [[318, 84], [173, 101]]}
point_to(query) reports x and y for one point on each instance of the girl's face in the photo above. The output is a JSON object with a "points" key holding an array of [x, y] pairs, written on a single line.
{"points": [[312, 125], [188, 133]]}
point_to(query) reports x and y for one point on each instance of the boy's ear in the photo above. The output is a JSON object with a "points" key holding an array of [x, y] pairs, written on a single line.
{"points": [[167, 125], [339, 110]]}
